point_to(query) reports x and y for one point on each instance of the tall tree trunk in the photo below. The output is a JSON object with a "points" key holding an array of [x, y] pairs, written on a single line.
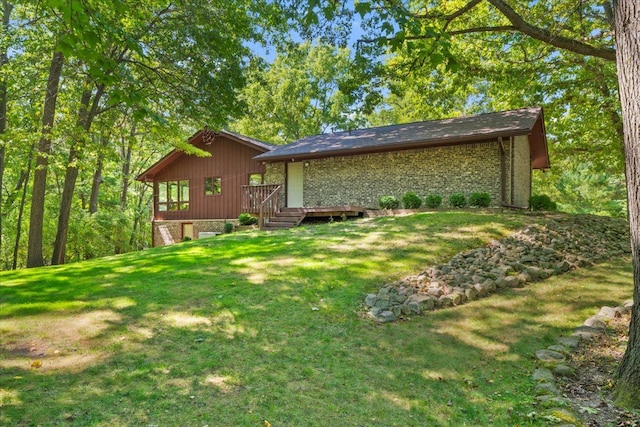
{"points": [[23, 199], [627, 25], [97, 176], [137, 216], [36, 221], [85, 118], [125, 152], [6, 13]]}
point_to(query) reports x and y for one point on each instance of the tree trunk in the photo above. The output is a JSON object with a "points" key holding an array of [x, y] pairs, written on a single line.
{"points": [[36, 221], [16, 247], [627, 25], [85, 118], [97, 177], [70, 177], [6, 12], [125, 152]]}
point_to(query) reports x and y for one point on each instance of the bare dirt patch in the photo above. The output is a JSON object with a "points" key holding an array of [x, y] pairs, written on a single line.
{"points": [[595, 363]]}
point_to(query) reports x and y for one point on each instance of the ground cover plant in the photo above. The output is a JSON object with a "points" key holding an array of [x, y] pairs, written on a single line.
{"points": [[236, 329]]}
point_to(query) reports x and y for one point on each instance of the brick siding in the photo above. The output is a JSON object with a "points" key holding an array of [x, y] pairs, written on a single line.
{"points": [[361, 180]]}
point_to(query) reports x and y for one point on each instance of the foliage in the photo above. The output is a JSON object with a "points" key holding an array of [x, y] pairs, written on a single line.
{"points": [[458, 200], [389, 202], [298, 95], [171, 327], [433, 201], [479, 200], [247, 219], [227, 227], [411, 200], [541, 202]]}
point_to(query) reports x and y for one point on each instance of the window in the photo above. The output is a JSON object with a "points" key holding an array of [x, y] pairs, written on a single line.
{"points": [[212, 186], [256, 179], [173, 196]]}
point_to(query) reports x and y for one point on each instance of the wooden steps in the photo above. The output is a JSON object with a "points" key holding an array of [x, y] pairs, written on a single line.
{"points": [[292, 217], [286, 218]]}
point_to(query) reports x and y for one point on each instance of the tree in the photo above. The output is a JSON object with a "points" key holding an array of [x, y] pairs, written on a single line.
{"points": [[299, 94], [6, 14], [424, 30], [627, 25], [34, 257]]}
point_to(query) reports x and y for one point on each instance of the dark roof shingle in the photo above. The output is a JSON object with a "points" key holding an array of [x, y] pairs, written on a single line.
{"points": [[411, 135]]}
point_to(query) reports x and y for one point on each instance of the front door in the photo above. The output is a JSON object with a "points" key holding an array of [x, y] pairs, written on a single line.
{"points": [[294, 185]]}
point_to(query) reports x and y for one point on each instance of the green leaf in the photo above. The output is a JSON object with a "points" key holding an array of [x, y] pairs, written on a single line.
{"points": [[362, 8]]}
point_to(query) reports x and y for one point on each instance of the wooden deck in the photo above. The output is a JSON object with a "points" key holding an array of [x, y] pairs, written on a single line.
{"points": [[328, 211]]}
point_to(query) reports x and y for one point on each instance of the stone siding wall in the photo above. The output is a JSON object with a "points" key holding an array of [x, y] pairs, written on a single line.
{"points": [[169, 232], [362, 180], [275, 174], [521, 171]]}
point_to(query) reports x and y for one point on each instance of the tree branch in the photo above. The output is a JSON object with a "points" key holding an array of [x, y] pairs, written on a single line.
{"points": [[546, 36]]}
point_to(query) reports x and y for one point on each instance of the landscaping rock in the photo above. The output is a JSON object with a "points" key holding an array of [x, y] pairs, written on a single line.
{"points": [[587, 332], [559, 348], [596, 322], [610, 312], [571, 342], [546, 388], [564, 371], [543, 375], [370, 300], [385, 316], [556, 246], [550, 356]]}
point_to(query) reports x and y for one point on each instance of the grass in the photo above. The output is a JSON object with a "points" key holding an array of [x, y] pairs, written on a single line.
{"points": [[225, 332]]}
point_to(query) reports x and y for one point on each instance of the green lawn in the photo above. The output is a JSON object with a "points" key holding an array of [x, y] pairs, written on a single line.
{"points": [[225, 332]]}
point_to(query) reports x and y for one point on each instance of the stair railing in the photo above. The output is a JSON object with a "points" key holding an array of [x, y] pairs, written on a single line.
{"points": [[269, 207]]}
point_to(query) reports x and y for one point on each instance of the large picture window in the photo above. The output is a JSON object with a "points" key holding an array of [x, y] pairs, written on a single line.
{"points": [[212, 186], [173, 196]]}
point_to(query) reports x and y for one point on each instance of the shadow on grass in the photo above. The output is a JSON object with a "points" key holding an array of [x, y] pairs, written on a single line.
{"points": [[232, 331]]}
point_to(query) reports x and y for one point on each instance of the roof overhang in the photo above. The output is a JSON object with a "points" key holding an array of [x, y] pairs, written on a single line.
{"points": [[535, 131]]}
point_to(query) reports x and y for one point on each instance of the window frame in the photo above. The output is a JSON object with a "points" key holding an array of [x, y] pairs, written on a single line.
{"points": [[213, 186], [173, 195]]}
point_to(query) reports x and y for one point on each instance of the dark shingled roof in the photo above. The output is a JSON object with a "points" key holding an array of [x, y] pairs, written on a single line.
{"points": [[459, 130]]}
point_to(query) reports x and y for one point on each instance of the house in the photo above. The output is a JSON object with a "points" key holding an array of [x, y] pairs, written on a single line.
{"points": [[345, 173], [193, 196], [493, 153]]}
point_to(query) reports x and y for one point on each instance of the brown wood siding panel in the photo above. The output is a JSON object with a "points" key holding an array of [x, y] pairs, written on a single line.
{"points": [[231, 161]]}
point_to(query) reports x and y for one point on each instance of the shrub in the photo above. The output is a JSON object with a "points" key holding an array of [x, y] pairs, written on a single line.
{"points": [[458, 200], [410, 200], [542, 202], [247, 219], [433, 201], [227, 227], [479, 200], [186, 239], [389, 202]]}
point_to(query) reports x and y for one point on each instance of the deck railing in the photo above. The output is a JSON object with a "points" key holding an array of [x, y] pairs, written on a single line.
{"points": [[261, 200]]}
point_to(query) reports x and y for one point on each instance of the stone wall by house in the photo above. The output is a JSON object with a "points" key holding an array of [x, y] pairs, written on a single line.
{"points": [[276, 174], [169, 232], [521, 172], [361, 180]]}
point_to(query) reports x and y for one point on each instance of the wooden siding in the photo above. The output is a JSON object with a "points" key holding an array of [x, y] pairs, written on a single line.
{"points": [[231, 161]]}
